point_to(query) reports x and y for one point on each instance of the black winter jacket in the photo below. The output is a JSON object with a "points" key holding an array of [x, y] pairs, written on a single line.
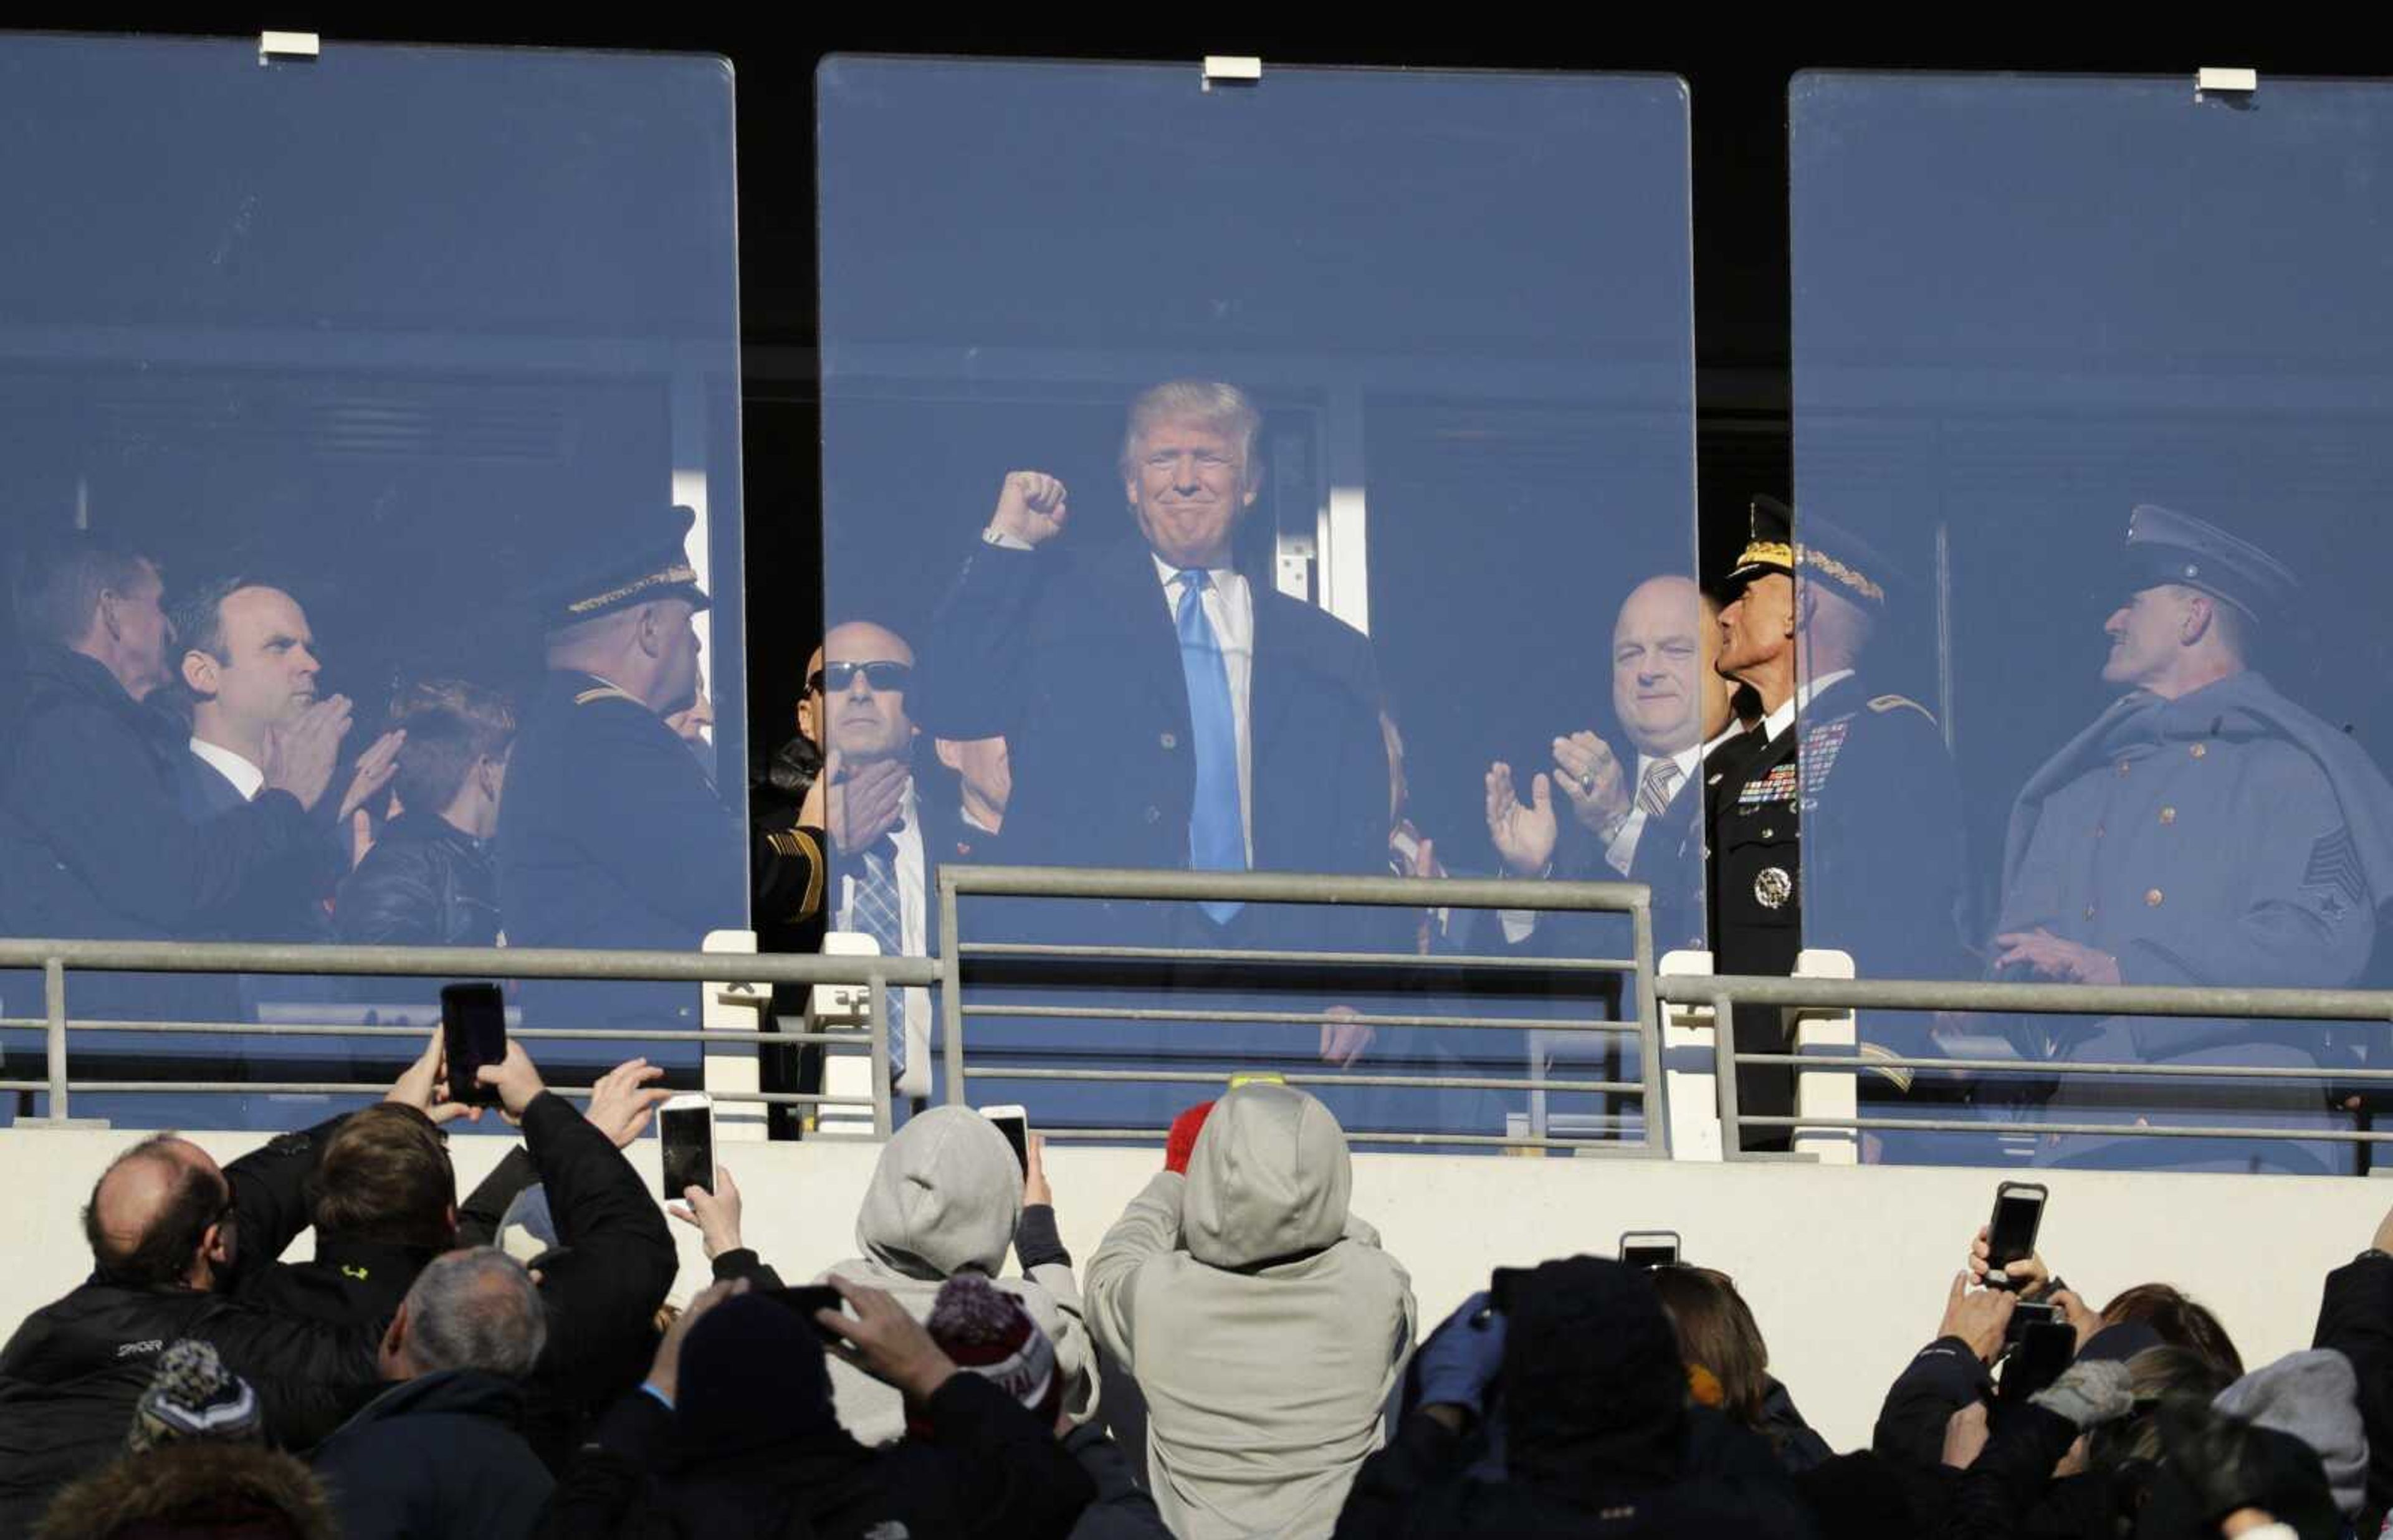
{"points": [[987, 1468], [2356, 1320], [1418, 1487], [438, 1457], [1942, 1379], [70, 1377], [1120, 1511], [425, 883]]}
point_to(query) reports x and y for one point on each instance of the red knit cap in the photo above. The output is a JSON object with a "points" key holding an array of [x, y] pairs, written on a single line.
{"points": [[987, 1333]]}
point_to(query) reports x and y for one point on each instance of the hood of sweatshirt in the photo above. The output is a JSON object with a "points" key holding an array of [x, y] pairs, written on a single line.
{"points": [[1268, 1179], [945, 1196]]}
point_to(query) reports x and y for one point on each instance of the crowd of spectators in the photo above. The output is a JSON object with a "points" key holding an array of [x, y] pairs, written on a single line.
{"points": [[506, 1363]]}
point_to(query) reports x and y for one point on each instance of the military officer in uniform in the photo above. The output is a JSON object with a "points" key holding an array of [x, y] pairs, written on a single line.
{"points": [[611, 835], [1866, 773], [2203, 829]]}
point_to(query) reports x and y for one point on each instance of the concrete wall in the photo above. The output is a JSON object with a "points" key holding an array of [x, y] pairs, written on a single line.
{"points": [[1846, 1268]]}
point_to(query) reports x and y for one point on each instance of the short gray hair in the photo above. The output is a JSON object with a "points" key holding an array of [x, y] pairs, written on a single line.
{"points": [[476, 1310], [1223, 408]]}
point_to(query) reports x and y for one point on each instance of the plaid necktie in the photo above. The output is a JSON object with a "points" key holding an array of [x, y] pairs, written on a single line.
{"points": [[873, 909], [1654, 792]]}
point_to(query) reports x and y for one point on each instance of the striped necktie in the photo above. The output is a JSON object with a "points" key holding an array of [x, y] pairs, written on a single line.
{"points": [[1653, 792]]}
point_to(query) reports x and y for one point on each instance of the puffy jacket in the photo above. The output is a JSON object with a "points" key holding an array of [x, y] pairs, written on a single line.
{"points": [[946, 1198], [425, 883], [437, 1457], [70, 1377], [1263, 1324]]}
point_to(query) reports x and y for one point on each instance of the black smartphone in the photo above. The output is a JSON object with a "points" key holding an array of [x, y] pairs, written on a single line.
{"points": [[1500, 1288], [2044, 1350], [1014, 1123], [2027, 1314], [1649, 1249], [2010, 1234], [686, 1124], [474, 1033], [806, 1299]]}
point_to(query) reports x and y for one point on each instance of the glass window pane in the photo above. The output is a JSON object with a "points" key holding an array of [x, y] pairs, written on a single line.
{"points": [[1434, 429], [2091, 378], [428, 346]]}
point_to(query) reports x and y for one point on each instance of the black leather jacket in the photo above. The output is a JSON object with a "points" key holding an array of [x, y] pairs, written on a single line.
{"points": [[425, 883]]}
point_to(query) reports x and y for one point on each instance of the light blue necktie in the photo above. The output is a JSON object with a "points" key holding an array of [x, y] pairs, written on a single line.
{"points": [[1217, 839]]}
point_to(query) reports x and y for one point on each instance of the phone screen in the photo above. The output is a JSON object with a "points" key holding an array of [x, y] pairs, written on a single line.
{"points": [[1017, 1133], [688, 1137], [474, 1033], [2010, 1236]]}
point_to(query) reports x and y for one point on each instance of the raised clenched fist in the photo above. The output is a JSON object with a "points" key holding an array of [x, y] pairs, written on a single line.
{"points": [[1031, 506]]}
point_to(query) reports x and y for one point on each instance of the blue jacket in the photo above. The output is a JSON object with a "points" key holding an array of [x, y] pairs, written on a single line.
{"points": [[438, 1455]]}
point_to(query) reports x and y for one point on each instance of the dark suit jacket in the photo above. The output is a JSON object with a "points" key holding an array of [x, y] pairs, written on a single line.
{"points": [[94, 839], [1071, 655], [612, 836], [283, 900]]}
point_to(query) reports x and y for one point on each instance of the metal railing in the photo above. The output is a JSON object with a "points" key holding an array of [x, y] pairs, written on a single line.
{"points": [[55, 958], [1723, 993], [1631, 899], [946, 971]]}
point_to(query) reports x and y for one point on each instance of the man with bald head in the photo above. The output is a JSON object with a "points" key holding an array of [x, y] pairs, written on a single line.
{"points": [[172, 1235], [891, 821], [1628, 817]]}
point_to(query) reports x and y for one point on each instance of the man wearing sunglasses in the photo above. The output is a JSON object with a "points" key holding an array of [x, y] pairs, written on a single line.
{"points": [[892, 822]]}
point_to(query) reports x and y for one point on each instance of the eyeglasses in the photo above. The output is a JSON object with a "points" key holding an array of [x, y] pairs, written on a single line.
{"points": [[837, 677]]}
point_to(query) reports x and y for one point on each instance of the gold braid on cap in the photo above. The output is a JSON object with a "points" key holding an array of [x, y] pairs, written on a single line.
{"points": [[1768, 553], [1830, 566], [677, 573]]}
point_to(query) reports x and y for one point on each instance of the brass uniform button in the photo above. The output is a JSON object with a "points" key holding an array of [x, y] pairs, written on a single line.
{"points": [[1170, 740], [2168, 814], [2123, 768], [2090, 912], [2199, 749], [2153, 899]]}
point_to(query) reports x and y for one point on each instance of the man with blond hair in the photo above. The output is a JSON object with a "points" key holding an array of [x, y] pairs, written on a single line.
{"points": [[1161, 708]]}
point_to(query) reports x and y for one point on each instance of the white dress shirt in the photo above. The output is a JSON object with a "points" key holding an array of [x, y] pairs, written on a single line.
{"points": [[1620, 852], [913, 922], [246, 778]]}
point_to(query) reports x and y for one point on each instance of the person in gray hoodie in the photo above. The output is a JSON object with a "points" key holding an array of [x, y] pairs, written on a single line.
{"points": [[947, 1196], [1261, 1321]]}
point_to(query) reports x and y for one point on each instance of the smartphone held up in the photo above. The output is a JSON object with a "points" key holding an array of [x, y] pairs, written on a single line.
{"points": [[685, 1127], [473, 1034]]}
